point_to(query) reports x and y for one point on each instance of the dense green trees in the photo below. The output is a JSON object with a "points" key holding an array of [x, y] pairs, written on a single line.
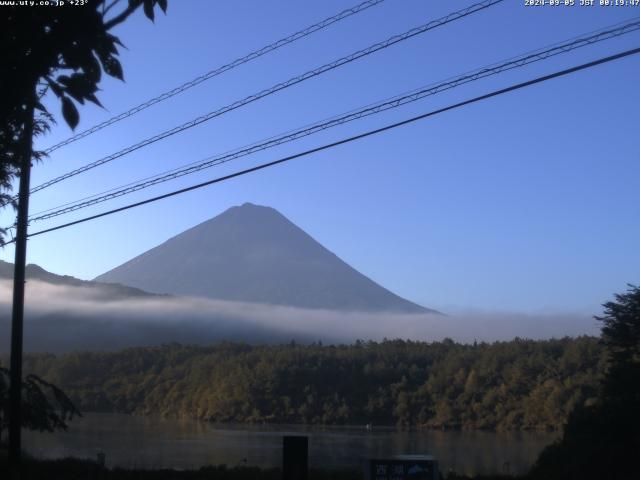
{"points": [[520, 384]]}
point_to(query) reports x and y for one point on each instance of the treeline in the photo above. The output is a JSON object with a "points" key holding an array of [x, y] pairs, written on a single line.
{"points": [[521, 384]]}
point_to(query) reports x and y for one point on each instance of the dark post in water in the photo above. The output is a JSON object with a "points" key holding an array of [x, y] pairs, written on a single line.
{"points": [[295, 458]]}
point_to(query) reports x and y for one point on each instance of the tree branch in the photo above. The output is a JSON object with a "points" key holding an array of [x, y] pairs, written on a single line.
{"points": [[106, 9], [118, 19]]}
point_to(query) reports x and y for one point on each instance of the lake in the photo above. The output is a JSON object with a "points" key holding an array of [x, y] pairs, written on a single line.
{"points": [[149, 442]]}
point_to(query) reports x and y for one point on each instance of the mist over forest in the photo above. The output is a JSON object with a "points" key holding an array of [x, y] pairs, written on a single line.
{"points": [[62, 318]]}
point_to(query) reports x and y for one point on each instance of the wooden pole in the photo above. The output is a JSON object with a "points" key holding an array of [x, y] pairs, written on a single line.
{"points": [[17, 318]]}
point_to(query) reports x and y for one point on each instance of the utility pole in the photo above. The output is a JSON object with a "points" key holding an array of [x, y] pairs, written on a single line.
{"points": [[17, 318]]}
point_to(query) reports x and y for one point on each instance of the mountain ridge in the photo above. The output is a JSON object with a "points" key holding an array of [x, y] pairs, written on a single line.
{"points": [[255, 254], [108, 290]]}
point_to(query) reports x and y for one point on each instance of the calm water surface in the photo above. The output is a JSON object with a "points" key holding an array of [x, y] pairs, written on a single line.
{"points": [[149, 442]]}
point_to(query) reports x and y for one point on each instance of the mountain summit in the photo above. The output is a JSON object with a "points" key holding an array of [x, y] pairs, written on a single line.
{"points": [[254, 254]]}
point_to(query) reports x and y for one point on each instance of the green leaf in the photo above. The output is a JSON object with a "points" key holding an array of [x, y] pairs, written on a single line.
{"points": [[55, 88], [116, 41], [92, 98], [72, 58], [148, 9], [106, 46], [70, 113], [92, 68], [79, 86], [163, 5], [64, 80], [113, 68]]}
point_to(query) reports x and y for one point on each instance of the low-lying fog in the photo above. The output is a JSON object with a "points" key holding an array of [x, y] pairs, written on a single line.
{"points": [[61, 318]]}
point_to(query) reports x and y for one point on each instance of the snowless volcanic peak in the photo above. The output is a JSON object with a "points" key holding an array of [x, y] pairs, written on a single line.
{"points": [[252, 253]]}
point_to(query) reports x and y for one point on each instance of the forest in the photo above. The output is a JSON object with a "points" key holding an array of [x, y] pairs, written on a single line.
{"points": [[515, 385]]}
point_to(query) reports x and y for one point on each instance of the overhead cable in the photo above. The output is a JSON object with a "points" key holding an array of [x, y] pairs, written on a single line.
{"points": [[219, 70], [433, 89], [276, 88], [369, 133]]}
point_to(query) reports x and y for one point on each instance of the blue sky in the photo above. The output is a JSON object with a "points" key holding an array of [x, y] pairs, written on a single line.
{"points": [[527, 202]]}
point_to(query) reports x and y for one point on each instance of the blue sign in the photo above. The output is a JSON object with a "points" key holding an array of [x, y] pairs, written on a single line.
{"points": [[402, 469]]}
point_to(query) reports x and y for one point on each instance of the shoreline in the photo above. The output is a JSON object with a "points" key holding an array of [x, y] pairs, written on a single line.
{"points": [[72, 469], [379, 427]]}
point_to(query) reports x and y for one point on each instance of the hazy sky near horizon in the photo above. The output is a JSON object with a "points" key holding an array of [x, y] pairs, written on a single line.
{"points": [[528, 202]]}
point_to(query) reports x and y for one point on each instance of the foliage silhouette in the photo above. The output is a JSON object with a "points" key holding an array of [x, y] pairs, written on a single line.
{"points": [[602, 440], [62, 49], [46, 408]]}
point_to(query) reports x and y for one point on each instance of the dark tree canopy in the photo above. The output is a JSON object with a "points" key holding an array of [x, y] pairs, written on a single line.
{"points": [[602, 440], [621, 334], [58, 49]]}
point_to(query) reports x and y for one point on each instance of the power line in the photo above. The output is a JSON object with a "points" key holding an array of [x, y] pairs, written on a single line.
{"points": [[515, 62], [220, 70], [575, 42], [394, 102], [276, 88], [369, 133]]}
